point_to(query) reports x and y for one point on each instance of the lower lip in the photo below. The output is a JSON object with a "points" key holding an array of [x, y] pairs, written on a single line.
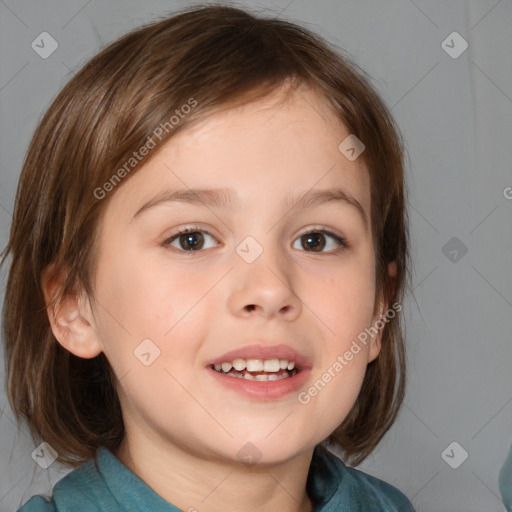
{"points": [[263, 390]]}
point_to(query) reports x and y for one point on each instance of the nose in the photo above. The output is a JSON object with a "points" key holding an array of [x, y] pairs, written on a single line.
{"points": [[264, 288]]}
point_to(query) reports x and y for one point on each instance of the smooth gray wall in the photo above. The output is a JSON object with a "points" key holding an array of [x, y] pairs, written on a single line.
{"points": [[456, 116]]}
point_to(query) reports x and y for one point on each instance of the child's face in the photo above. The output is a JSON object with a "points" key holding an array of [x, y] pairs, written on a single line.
{"points": [[307, 293]]}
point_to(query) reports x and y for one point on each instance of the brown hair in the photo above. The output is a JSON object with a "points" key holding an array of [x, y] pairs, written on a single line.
{"points": [[219, 57]]}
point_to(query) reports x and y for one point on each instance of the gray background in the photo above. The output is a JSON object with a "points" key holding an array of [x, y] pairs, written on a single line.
{"points": [[456, 115]]}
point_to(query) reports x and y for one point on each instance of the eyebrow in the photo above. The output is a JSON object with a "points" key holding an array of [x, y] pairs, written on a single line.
{"points": [[227, 198]]}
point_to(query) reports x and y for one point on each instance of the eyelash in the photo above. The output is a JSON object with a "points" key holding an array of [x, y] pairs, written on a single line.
{"points": [[340, 240]]}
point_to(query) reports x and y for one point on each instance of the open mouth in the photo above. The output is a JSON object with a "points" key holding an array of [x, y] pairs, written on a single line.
{"points": [[258, 369]]}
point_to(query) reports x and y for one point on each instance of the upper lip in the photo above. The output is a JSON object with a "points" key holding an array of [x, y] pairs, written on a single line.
{"points": [[264, 352]]}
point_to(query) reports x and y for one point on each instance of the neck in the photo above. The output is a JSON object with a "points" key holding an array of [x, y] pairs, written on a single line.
{"points": [[194, 483]]}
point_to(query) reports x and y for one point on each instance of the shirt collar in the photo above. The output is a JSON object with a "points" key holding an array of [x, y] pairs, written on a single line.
{"points": [[324, 477], [131, 492]]}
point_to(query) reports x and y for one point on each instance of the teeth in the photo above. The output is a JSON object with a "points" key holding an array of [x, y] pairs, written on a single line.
{"points": [[271, 365], [261, 377], [255, 365], [239, 364], [226, 367]]}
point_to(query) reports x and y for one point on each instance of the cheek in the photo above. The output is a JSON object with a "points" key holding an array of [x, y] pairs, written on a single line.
{"points": [[146, 290], [344, 300], [346, 310], [172, 310], [152, 298]]}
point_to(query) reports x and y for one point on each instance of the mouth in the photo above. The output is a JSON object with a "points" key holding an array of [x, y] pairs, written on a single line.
{"points": [[258, 369], [261, 372]]}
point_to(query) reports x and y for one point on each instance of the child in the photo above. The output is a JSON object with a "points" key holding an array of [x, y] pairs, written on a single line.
{"points": [[209, 253]]}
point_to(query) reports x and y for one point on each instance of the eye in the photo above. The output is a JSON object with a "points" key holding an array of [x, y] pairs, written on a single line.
{"points": [[319, 239], [190, 239], [194, 239]]}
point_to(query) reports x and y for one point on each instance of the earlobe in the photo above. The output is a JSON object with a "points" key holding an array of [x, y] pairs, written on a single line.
{"points": [[375, 347], [392, 273], [376, 340], [70, 318]]}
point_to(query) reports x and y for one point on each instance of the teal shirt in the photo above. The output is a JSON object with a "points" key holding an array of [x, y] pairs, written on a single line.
{"points": [[107, 485], [505, 482]]}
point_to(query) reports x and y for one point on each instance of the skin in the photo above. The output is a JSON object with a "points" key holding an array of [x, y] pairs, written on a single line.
{"points": [[194, 305]]}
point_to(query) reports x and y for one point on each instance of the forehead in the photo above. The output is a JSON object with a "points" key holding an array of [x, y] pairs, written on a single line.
{"points": [[279, 144], [284, 116]]}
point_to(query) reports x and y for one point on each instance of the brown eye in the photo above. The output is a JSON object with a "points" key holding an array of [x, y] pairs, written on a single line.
{"points": [[190, 240], [320, 241], [313, 241]]}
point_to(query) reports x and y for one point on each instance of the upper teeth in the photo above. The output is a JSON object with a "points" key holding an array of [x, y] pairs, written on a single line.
{"points": [[256, 365]]}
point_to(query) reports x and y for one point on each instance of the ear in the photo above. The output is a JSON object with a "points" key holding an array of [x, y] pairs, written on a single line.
{"points": [[71, 318], [376, 341]]}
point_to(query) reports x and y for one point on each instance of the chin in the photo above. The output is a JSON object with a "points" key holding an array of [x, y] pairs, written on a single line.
{"points": [[265, 452]]}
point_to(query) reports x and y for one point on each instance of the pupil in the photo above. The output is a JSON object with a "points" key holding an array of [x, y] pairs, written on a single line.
{"points": [[315, 241], [189, 241]]}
